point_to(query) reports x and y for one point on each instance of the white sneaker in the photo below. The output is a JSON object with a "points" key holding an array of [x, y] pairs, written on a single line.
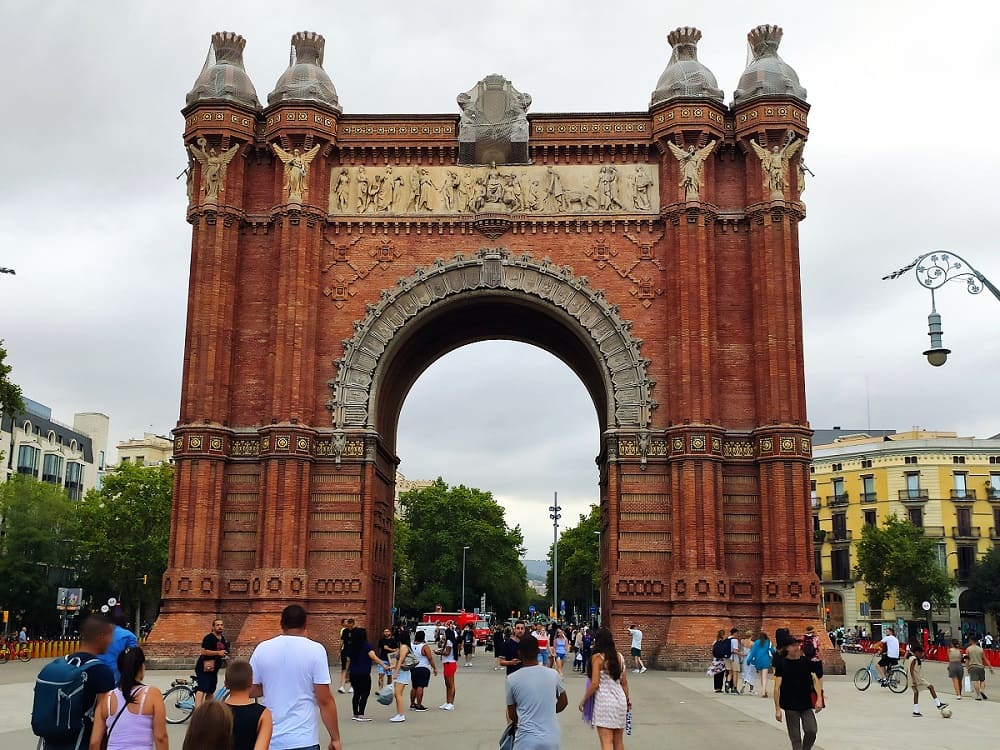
{"points": [[447, 707], [644, 669], [635, 671], [398, 718], [341, 689], [350, 689]]}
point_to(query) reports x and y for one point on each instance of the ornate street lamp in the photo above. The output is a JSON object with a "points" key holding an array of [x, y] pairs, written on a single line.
{"points": [[933, 270]]}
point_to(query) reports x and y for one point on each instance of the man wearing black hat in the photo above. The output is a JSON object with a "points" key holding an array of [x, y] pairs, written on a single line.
{"points": [[796, 680]]}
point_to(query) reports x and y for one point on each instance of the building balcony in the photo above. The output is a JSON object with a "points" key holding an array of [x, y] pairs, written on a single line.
{"points": [[992, 493], [815, 502], [835, 500], [869, 497], [994, 534], [965, 532], [913, 496], [819, 535], [841, 536], [935, 532], [963, 495]]}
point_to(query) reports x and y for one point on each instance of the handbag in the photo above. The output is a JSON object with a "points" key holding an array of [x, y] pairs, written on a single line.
{"points": [[409, 662], [967, 684], [588, 706], [507, 738], [628, 722], [385, 695]]}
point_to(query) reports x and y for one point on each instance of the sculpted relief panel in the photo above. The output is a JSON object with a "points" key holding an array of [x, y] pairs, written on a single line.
{"points": [[456, 190]]}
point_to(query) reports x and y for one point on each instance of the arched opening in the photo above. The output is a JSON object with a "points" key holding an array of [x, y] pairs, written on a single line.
{"points": [[511, 419]]}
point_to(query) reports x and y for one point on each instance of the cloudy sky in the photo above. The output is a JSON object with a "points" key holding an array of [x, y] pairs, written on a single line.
{"points": [[92, 219]]}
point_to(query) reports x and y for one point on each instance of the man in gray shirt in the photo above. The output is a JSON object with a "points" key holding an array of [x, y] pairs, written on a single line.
{"points": [[534, 697]]}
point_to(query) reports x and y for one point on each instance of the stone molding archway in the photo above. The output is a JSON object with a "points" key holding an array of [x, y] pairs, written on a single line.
{"points": [[355, 384]]}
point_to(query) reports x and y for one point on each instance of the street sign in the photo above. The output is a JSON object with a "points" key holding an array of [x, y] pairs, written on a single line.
{"points": [[531, 609], [925, 606], [562, 605], [562, 612], [593, 609]]}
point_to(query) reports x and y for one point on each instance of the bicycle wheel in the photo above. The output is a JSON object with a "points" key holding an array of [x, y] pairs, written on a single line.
{"points": [[863, 679], [179, 701], [24, 654], [898, 681], [4, 656]]}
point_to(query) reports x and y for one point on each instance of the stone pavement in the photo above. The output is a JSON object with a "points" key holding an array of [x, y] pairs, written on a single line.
{"points": [[670, 710]]}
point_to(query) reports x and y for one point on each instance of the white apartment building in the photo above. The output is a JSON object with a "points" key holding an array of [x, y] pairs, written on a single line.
{"points": [[34, 444], [149, 450]]}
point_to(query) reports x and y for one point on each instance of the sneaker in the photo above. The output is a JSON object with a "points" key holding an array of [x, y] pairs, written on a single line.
{"points": [[447, 706], [397, 718], [642, 670], [942, 705], [341, 689], [979, 697], [356, 718], [419, 707], [350, 689], [983, 695], [917, 715]]}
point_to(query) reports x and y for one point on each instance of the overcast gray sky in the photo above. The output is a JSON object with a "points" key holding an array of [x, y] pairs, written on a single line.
{"points": [[91, 217]]}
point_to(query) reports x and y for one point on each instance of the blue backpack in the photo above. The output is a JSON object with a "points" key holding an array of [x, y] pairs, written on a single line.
{"points": [[57, 712]]}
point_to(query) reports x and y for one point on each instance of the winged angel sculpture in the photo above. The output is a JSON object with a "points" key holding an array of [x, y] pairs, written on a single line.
{"points": [[691, 167], [774, 164], [296, 169], [213, 167]]}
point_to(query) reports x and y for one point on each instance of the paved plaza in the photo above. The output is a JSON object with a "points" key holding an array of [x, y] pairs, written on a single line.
{"points": [[670, 710]]}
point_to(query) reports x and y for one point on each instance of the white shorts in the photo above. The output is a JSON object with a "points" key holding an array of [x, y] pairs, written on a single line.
{"points": [[403, 678]]}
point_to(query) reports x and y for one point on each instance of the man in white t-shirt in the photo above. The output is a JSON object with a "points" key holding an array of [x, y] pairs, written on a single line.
{"points": [[637, 649], [890, 655], [291, 674]]}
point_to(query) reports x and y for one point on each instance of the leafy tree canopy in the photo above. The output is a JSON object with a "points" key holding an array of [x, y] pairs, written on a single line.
{"points": [[579, 564], [11, 399], [900, 560], [984, 581], [437, 522]]}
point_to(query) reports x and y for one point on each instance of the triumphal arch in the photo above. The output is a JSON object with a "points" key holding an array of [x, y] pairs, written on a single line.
{"points": [[336, 255]]}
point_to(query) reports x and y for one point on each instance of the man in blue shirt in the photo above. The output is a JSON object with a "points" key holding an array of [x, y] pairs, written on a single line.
{"points": [[121, 640]]}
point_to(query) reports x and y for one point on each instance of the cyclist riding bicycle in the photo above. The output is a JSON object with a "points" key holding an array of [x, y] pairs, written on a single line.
{"points": [[890, 655]]}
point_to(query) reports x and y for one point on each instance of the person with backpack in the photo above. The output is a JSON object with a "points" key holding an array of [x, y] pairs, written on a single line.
{"points": [[133, 715], [810, 648], [721, 651], [68, 688]]}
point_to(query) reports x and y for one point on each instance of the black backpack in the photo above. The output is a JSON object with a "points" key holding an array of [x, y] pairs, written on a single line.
{"points": [[57, 710], [722, 649]]}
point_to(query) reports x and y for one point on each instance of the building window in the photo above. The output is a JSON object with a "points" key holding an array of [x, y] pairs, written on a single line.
{"points": [[910, 460], [916, 516], [866, 463], [964, 518], [74, 480], [818, 564], [996, 523], [52, 468], [942, 556], [140, 460], [958, 459], [994, 488], [961, 480], [814, 494], [870, 518], [840, 563], [966, 560], [837, 467], [868, 489], [27, 460], [839, 527], [913, 485], [815, 523], [125, 459], [100, 461]]}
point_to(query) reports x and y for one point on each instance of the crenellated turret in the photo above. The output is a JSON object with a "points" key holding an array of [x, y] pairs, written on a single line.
{"points": [[305, 80], [223, 77], [767, 74], [685, 76]]}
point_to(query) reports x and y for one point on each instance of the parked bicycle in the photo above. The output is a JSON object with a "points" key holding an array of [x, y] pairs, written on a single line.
{"points": [[14, 650], [179, 699], [896, 679]]}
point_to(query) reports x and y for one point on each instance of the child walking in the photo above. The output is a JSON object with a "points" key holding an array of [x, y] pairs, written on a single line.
{"points": [[252, 723], [913, 667]]}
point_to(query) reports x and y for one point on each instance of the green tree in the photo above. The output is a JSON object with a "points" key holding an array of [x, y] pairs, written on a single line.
{"points": [[11, 399], [36, 556], [899, 559], [579, 563], [438, 521], [984, 582], [123, 533]]}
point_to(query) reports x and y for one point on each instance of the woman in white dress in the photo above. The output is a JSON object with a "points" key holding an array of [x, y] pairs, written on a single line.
{"points": [[609, 689]]}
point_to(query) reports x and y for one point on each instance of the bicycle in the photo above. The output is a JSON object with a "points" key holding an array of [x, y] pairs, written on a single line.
{"points": [[14, 650], [896, 679], [179, 699]]}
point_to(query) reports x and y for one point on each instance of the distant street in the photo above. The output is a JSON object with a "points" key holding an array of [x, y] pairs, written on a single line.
{"points": [[671, 710]]}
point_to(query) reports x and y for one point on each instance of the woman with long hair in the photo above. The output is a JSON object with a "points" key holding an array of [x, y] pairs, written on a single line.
{"points": [[362, 656], [211, 728], [560, 644], [132, 716], [761, 654], [609, 689], [400, 676]]}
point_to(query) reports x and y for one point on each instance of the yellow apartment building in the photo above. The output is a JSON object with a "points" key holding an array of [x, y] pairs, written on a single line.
{"points": [[948, 485]]}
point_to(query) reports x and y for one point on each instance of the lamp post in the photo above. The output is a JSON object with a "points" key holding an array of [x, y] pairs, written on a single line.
{"points": [[600, 591], [466, 547], [933, 270], [554, 515]]}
